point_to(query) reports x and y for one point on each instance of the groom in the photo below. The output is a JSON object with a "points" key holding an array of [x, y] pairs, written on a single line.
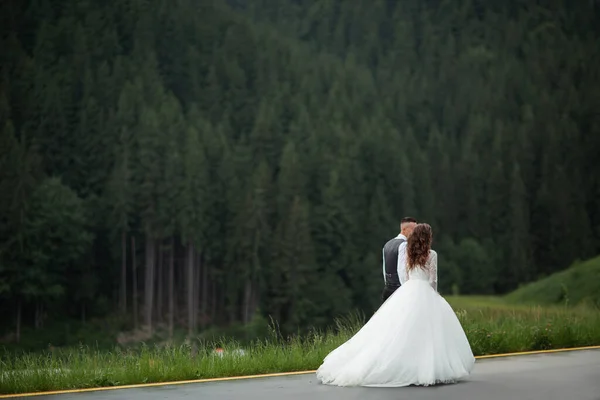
{"points": [[391, 275]]}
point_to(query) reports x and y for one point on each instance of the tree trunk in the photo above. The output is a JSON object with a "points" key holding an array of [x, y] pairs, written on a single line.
{"points": [[171, 287], [19, 311], [204, 308], [234, 306], [213, 310], [123, 272], [190, 287], [182, 281], [149, 282], [222, 310], [249, 287], [197, 282], [161, 283], [247, 301], [255, 298], [36, 322], [135, 284]]}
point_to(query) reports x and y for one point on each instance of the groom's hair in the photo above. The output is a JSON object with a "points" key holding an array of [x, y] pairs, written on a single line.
{"points": [[407, 219]]}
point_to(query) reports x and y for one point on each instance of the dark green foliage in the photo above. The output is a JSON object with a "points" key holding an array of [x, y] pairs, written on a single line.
{"points": [[277, 144]]}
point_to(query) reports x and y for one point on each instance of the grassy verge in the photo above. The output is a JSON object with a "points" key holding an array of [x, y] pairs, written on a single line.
{"points": [[492, 327], [576, 285]]}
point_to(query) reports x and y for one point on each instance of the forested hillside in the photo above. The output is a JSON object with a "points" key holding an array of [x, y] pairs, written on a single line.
{"points": [[195, 162]]}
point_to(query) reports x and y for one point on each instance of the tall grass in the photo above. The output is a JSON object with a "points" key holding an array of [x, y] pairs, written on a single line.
{"points": [[495, 327], [491, 326]]}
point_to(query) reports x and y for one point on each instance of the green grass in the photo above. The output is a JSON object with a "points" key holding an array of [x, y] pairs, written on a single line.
{"points": [[492, 326], [579, 284]]}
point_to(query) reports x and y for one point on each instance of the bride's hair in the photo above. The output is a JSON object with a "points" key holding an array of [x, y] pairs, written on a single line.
{"points": [[418, 246]]}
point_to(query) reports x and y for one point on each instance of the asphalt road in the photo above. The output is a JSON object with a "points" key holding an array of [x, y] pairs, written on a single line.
{"points": [[562, 376]]}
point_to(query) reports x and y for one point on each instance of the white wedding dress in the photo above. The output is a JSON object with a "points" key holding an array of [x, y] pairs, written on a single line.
{"points": [[414, 338]]}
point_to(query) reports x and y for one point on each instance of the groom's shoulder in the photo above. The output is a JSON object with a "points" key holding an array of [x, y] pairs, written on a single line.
{"points": [[393, 242], [395, 239]]}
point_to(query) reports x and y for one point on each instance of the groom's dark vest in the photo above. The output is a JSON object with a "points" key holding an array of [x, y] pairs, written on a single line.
{"points": [[390, 254]]}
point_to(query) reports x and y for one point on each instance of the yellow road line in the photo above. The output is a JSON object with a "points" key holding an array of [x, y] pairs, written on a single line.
{"points": [[235, 378], [154, 384], [524, 353]]}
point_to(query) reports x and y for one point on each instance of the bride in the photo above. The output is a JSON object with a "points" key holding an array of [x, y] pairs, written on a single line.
{"points": [[414, 338]]}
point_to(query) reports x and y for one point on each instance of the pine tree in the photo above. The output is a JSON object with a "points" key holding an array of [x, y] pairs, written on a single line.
{"points": [[147, 177], [192, 218], [519, 257]]}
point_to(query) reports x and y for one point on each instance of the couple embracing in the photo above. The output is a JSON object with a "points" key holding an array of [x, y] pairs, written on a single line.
{"points": [[414, 338]]}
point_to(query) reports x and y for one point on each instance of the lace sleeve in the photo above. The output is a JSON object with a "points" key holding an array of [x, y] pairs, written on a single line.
{"points": [[402, 270], [432, 267]]}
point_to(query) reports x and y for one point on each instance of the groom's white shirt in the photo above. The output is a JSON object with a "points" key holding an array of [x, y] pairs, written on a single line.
{"points": [[401, 254]]}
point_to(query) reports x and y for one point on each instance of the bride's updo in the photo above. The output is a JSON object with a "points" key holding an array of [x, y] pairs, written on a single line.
{"points": [[418, 246]]}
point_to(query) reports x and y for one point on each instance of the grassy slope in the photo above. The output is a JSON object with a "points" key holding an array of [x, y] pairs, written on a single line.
{"points": [[577, 285]]}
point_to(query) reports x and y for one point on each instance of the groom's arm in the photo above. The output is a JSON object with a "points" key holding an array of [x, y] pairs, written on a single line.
{"points": [[383, 263]]}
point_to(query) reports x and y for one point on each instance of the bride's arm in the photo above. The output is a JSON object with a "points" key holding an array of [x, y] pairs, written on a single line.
{"points": [[433, 276], [401, 267]]}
